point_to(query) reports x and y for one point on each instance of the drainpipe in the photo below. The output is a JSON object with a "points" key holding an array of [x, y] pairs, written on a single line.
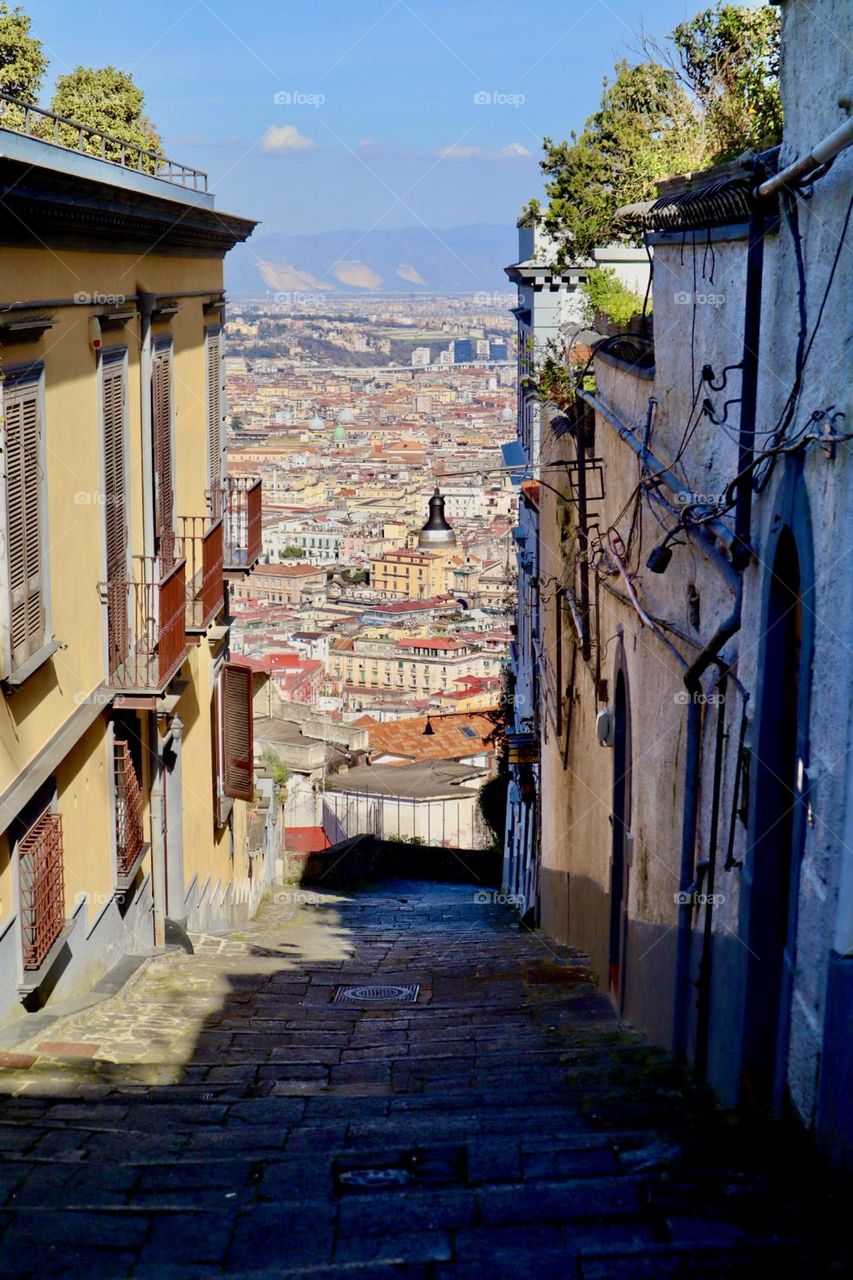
{"points": [[742, 551], [703, 984], [692, 770]]}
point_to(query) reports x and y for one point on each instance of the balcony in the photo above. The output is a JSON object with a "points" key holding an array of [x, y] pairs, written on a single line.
{"points": [[42, 889], [201, 540], [71, 135], [239, 503], [130, 836], [146, 621]]}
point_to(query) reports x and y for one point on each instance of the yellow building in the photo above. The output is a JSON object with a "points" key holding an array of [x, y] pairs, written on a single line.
{"points": [[421, 665], [125, 731], [408, 575]]}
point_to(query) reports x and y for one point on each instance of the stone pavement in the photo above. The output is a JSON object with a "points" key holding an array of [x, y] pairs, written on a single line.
{"points": [[224, 1114]]}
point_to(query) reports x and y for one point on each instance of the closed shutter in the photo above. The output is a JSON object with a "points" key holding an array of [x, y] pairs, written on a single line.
{"points": [[25, 536], [161, 418], [114, 391], [238, 774], [214, 409]]}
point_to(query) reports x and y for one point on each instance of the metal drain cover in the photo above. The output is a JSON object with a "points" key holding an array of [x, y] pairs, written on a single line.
{"points": [[399, 993]]}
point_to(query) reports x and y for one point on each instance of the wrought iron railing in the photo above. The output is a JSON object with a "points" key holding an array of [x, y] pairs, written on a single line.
{"points": [[202, 548], [42, 888], [240, 504], [130, 837], [146, 625], [47, 126]]}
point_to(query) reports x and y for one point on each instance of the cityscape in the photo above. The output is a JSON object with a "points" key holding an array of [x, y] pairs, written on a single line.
{"points": [[426, 641]]}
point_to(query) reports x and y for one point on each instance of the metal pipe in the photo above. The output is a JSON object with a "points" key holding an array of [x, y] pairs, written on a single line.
{"points": [[742, 551], [823, 153], [692, 769], [703, 985], [49, 304]]}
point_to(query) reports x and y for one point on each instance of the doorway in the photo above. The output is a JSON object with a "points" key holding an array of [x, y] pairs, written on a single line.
{"points": [[777, 831]]}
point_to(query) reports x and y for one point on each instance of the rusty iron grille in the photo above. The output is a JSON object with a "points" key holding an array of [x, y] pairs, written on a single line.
{"points": [[42, 888], [128, 797], [202, 548], [397, 993], [240, 503], [154, 600]]}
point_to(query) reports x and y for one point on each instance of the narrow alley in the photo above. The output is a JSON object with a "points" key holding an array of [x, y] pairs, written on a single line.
{"points": [[471, 1109]]}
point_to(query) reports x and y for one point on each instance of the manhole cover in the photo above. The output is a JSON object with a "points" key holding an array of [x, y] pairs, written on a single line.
{"points": [[401, 993]]}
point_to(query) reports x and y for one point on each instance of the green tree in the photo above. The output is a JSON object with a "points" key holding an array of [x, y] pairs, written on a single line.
{"points": [[708, 95], [729, 57], [22, 63], [646, 127], [108, 99], [605, 294]]}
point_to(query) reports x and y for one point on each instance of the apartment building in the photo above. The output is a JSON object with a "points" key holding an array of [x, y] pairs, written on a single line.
{"points": [[125, 728], [408, 575], [280, 583], [422, 664], [695, 674]]}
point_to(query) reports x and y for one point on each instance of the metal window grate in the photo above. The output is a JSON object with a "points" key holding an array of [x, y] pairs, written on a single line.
{"points": [[42, 888], [128, 796]]}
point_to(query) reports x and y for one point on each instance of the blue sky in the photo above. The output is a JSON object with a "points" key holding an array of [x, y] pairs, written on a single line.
{"points": [[317, 115]]}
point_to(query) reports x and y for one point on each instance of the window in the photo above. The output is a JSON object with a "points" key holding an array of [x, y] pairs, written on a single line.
{"points": [[127, 797], [233, 736], [161, 428], [26, 537], [42, 888], [215, 408]]}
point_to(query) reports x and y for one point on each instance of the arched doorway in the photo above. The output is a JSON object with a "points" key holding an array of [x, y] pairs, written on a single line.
{"points": [[620, 823], [778, 814]]}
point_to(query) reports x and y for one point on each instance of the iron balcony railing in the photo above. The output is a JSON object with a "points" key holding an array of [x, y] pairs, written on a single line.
{"points": [[42, 888], [240, 504], [146, 625], [130, 835], [201, 541], [47, 126]]}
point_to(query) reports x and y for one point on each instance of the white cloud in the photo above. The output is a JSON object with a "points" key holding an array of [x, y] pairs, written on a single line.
{"points": [[365, 144], [462, 151], [286, 137]]}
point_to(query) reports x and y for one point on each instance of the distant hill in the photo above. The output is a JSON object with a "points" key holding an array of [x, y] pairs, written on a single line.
{"points": [[407, 260]]}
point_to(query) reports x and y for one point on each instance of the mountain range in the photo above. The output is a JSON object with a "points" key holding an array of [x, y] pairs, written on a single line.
{"points": [[405, 260]]}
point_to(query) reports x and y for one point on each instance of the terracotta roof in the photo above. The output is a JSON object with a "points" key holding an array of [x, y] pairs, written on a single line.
{"points": [[287, 570], [429, 642], [454, 737]]}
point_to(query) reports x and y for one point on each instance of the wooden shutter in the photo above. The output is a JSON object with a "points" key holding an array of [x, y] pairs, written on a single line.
{"points": [[24, 534], [214, 409], [161, 421], [115, 474], [238, 773], [114, 390]]}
